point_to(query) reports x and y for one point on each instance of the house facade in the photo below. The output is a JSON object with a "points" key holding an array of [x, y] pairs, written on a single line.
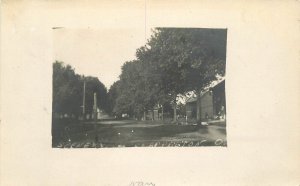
{"points": [[219, 100], [212, 103], [191, 107]]}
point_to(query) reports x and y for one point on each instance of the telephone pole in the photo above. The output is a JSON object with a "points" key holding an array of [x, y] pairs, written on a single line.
{"points": [[83, 101], [95, 106]]}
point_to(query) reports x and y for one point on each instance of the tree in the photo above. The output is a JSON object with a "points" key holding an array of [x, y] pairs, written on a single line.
{"points": [[112, 97], [68, 91], [173, 62], [131, 95], [93, 85], [184, 59]]}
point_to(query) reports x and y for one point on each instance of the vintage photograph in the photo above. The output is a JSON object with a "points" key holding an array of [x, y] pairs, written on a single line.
{"points": [[149, 92], [113, 89]]}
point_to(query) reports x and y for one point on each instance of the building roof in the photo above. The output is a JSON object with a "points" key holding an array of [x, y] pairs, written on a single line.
{"points": [[191, 99], [207, 89], [218, 82], [212, 85]]}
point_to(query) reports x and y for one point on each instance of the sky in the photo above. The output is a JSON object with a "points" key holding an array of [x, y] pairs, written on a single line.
{"points": [[98, 52]]}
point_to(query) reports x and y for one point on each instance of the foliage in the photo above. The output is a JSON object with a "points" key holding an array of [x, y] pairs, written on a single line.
{"points": [[174, 61], [112, 96], [68, 91], [131, 90], [93, 85]]}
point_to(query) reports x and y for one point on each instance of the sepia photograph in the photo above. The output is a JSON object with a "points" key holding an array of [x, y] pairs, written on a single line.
{"points": [[167, 92], [149, 92]]}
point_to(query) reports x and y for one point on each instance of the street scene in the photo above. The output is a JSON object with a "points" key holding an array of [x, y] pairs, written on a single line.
{"points": [[171, 93]]}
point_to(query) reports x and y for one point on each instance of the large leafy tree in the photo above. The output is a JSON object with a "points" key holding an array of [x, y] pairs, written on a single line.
{"points": [[68, 91], [131, 92], [112, 97], [93, 85], [173, 62], [182, 60], [137, 90]]}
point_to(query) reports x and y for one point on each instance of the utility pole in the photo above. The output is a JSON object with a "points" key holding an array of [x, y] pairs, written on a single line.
{"points": [[95, 106], [83, 100]]}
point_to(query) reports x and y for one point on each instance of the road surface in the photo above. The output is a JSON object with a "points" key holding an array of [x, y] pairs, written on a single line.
{"points": [[131, 133]]}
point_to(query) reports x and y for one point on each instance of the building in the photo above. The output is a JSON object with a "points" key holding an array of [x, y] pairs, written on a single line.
{"points": [[191, 107], [212, 103], [219, 100], [207, 106], [153, 114]]}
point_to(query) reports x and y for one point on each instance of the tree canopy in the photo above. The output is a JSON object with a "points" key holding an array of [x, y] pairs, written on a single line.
{"points": [[174, 61], [68, 91]]}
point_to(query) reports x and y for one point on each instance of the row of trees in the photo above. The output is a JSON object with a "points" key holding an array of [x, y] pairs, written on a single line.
{"points": [[68, 91], [173, 62]]}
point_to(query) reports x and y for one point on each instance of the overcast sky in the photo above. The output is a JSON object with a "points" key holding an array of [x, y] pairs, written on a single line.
{"points": [[98, 52]]}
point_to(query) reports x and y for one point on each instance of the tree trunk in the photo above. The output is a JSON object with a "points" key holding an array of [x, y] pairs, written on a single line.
{"points": [[152, 112], [162, 113], [175, 115]]}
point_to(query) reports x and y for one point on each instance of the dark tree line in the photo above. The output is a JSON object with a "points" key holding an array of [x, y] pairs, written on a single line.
{"points": [[68, 91], [174, 61]]}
